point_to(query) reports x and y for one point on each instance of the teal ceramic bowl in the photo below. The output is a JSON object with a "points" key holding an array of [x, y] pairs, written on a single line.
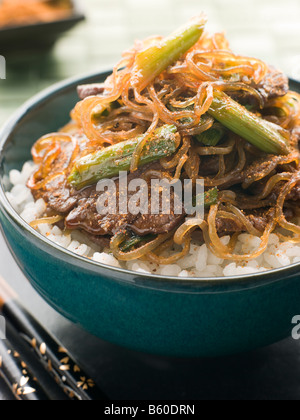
{"points": [[166, 316]]}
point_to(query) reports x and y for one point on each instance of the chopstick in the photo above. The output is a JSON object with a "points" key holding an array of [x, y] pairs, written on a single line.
{"points": [[52, 356], [45, 380], [17, 375]]}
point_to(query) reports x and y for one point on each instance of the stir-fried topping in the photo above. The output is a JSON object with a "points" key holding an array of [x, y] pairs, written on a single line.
{"points": [[183, 107]]}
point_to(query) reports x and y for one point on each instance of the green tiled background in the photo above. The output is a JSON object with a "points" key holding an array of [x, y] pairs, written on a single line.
{"points": [[268, 29]]}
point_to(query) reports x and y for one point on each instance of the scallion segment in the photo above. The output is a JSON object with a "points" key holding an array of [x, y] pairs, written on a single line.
{"points": [[151, 62], [263, 134], [109, 162]]}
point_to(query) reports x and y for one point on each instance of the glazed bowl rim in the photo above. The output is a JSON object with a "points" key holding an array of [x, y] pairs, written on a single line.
{"points": [[21, 113]]}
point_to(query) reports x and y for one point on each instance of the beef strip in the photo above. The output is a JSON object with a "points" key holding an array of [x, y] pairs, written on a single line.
{"points": [[259, 221], [294, 195], [101, 241], [228, 226], [84, 91], [57, 195], [86, 216], [275, 84], [156, 224], [209, 165]]}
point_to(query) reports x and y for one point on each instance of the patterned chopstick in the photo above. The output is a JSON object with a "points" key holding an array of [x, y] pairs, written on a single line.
{"points": [[51, 388], [17, 375], [54, 358]]}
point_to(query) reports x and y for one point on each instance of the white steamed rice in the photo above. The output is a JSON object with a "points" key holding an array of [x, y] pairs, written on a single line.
{"points": [[200, 262]]}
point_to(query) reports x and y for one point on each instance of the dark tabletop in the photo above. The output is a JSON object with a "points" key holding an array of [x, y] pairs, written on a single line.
{"points": [[270, 373]]}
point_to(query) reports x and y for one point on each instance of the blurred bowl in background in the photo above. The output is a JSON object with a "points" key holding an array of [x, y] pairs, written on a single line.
{"points": [[38, 35]]}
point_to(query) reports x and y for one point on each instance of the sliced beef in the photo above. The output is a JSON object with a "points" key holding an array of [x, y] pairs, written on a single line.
{"points": [[294, 195], [267, 165], [84, 91], [86, 216], [275, 84], [209, 166], [259, 220], [101, 241], [258, 169], [156, 224], [229, 226], [57, 195]]}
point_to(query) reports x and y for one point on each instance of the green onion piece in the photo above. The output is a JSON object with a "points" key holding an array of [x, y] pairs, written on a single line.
{"points": [[109, 162], [213, 136], [101, 111], [268, 137], [151, 62], [208, 199], [135, 240]]}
